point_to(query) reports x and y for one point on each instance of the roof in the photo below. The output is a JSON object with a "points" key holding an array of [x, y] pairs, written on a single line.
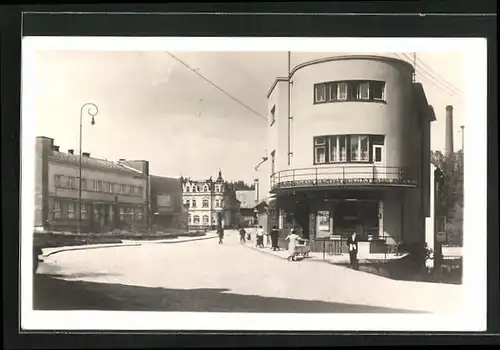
{"points": [[246, 198], [91, 162], [338, 58]]}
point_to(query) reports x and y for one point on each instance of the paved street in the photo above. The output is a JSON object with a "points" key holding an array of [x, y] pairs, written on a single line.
{"points": [[205, 276]]}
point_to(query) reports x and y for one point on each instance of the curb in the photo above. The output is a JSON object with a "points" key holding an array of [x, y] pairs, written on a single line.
{"points": [[113, 245]]}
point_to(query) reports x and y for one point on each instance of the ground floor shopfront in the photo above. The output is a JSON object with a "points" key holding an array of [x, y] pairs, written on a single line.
{"points": [[381, 217], [96, 216]]}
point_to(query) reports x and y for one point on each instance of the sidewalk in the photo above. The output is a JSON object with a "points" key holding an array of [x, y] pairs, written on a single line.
{"points": [[126, 243], [341, 259]]}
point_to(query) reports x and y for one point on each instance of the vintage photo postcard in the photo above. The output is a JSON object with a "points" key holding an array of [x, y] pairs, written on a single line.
{"points": [[253, 184]]}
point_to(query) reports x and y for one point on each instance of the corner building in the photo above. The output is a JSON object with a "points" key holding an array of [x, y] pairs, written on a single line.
{"points": [[349, 151]]}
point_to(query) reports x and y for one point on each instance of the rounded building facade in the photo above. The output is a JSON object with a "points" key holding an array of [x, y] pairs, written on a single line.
{"points": [[347, 140]]}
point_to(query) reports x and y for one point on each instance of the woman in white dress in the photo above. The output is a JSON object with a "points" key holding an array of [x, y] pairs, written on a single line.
{"points": [[292, 242]]}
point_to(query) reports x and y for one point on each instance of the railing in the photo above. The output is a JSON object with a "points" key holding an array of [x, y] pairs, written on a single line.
{"points": [[342, 175]]}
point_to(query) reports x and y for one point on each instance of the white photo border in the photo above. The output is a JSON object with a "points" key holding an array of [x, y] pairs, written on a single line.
{"points": [[472, 317]]}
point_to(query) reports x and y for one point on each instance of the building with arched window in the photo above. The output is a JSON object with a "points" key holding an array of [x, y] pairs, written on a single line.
{"points": [[210, 203], [348, 151]]}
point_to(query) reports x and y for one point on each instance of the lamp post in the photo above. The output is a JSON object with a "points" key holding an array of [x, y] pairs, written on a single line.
{"points": [[92, 111]]}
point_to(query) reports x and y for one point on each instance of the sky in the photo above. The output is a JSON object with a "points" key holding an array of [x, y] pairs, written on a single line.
{"points": [[154, 108]]}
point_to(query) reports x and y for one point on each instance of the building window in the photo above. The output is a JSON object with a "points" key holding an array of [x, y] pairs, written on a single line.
{"points": [[363, 91], [320, 150], [205, 203], [193, 203], [187, 203], [222, 203], [189, 218], [62, 181], [123, 189], [359, 148], [196, 219], [83, 211], [206, 220], [71, 210], [217, 203], [96, 213], [352, 90], [272, 115], [138, 213], [205, 188], [122, 214], [346, 148], [74, 183], [98, 185], [319, 93], [116, 188], [342, 91], [338, 149], [188, 189], [57, 209], [377, 90]]}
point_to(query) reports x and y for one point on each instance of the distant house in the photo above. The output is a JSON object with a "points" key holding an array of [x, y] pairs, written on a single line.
{"points": [[166, 203], [209, 203], [247, 201]]}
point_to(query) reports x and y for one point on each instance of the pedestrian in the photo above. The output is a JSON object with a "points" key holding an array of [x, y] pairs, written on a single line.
{"points": [[268, 238], [220, 232], [242, 234], [292, 243], [260, 237], [274, 238], [352, 244]]}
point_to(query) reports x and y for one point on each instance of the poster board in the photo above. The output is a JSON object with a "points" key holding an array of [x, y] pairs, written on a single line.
{"points": [[323, 224]]}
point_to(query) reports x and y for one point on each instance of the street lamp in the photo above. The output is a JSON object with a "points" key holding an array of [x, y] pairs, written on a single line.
{"points": [[92, 111]]}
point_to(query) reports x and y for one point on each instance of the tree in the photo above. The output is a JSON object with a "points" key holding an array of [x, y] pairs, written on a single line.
{"points": [[450, 193], [241, 186]]}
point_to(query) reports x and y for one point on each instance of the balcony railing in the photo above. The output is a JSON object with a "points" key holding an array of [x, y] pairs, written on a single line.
{"points": [[343, 176]]}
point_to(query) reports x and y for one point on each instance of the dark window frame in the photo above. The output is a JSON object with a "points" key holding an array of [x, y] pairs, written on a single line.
{"points": [[353, 91], [373, 139]]}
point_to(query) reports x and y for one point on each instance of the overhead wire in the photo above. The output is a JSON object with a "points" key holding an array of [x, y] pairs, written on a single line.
{"points": [[241, 103]]}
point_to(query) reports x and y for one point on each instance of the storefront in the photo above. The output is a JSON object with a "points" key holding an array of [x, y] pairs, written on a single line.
{"points": [[374, 215]]}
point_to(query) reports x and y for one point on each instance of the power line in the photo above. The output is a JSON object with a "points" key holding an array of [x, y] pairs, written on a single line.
{"points": [[217, 87], [429, 77], [445, 85], [423, 64]]}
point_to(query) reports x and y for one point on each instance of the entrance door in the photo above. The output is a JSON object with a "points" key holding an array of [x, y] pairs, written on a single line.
{"points": [[378, 161]]}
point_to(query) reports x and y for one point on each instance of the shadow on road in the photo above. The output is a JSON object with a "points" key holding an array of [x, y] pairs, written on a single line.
{"points": [[51, 293]]}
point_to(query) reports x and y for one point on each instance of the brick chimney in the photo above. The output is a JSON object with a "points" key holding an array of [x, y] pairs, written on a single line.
{"points": [[86, 154], [70, 151], [448, 150]]}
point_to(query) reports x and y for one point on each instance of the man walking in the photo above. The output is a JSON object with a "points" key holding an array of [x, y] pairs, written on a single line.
{"points": [[274, 238], [220, 232]]}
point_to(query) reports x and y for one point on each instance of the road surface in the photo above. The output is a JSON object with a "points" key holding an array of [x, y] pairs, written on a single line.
{"points": [[205, 276]]}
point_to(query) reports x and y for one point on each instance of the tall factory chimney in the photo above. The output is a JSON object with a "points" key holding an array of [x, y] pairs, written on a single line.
{"points": [[448, 150]]}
